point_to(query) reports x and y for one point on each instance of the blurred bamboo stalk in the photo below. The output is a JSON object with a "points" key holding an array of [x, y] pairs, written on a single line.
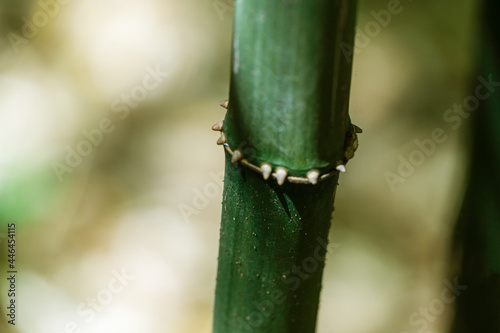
{"points": [[477, 236], [287, 115]]}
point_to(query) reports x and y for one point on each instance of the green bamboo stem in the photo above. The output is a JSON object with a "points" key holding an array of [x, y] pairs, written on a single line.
{"points": [[287, 107], [477, 233]]}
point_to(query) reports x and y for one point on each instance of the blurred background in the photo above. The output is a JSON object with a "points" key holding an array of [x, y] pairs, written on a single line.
{"points": [[111, 173]]}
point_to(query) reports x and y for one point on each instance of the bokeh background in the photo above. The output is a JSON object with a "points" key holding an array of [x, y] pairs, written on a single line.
{"points": [[144, 203]]}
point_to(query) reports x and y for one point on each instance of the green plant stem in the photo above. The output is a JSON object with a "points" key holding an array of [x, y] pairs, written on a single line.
{"points": [[288, 107], [477, 235]]}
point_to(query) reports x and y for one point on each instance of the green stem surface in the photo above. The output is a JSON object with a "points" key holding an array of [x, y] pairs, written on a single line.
{"points": [[288, 106], [477, 234]]}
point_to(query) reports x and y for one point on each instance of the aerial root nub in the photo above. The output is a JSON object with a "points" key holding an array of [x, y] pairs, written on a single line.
{"points": [[218, 127], [224, 104], [313, 176], [281, 175], [237, 155], [222, 140], [266, 169]]}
